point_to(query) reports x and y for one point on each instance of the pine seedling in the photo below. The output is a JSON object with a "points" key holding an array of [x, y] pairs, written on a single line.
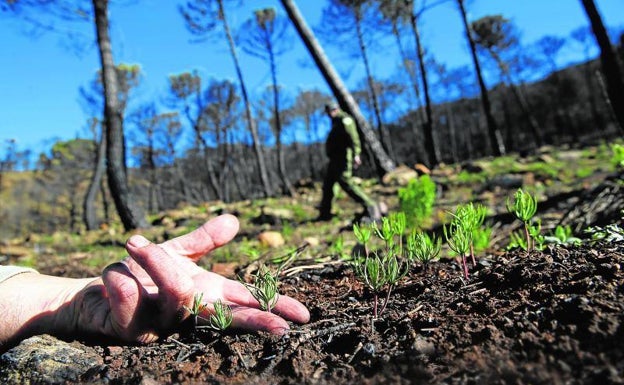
{"points": [[264, 288], [535, 232], [459, 237], [196, 308], [222, 317], [372, 272], [363, 235], [384, 269], [423, 248], [472, 217], [523, 208], [562, 235], [516, 240]]}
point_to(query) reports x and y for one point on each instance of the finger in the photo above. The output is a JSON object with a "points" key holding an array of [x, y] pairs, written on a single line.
{"points": [[124, 295], [255, 319], [211, 235], [285, 307], [175, 288]]}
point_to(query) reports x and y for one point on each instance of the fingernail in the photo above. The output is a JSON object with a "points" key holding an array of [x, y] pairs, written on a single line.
{"points": [[138, 241]]}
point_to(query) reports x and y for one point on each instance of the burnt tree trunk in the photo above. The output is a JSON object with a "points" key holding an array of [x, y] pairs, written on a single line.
{"points": [[610, 67], [129, 212], [341, 93], [496, 140]]}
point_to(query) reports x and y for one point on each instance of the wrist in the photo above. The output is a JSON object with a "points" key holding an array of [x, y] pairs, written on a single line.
{"points": [[35, 304]]}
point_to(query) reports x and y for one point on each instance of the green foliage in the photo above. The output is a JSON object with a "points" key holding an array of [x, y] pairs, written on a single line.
{"points": [[524, 208], [338, 249], [584, 172], [250, 250], [562, 235], [416, 200], [423, 248], [196, 308], [287, 229], [481, 238], [617, 157], [382, 269], [299, 213], [534, 240], [470, 178], [458, 237], [609, 233], [264, 288], [517, 240], [222, 317], [465, 233]]}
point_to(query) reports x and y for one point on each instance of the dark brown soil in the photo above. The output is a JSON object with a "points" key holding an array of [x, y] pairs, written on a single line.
{"points": [[552, 317]]}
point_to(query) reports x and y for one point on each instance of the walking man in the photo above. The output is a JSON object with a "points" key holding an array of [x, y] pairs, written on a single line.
{"points": [[343, 150]]}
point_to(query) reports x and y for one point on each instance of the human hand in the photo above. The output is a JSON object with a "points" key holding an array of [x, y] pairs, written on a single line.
{"points": [[143, 298], [357, 161]]}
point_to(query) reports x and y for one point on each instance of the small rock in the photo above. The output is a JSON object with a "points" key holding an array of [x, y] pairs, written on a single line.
{"points": [[312, 241], [369, 348], [115, 350], [45, 359], [422, 169], [400, 176], [271, 239], [422, 346]]}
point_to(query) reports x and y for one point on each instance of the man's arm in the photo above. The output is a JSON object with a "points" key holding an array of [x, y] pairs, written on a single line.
{"points": [[140, 299], [32, 304], [351, 129]]}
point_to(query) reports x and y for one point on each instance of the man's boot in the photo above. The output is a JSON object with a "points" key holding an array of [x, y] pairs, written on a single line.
{"points": [[323, 217]]}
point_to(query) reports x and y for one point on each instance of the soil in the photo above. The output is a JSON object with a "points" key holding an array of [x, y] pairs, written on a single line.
{"points": [[542, 317], [551, 317]]}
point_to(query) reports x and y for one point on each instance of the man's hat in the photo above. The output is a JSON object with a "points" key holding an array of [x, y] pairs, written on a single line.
{"points": [[331, 106]]}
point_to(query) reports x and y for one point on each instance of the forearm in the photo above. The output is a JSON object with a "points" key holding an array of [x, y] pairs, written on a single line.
{"points": [[33, 304]]}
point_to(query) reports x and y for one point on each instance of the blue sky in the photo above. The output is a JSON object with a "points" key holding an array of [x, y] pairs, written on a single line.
{"points": [[40, 76]]}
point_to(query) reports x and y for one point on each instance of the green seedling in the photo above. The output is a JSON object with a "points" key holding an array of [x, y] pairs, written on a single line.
{"points": [[562, 235], [471, 217], [383, 269], [363, 235], [337, 249], [423, 248], [524, 208], [264, 288], [416, 200], [196, 308], [379, 272], [222, 317], [519, 240], [459, 238]]}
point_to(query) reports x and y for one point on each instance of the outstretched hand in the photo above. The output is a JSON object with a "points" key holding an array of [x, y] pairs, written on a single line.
{"points": [[144, 297]]}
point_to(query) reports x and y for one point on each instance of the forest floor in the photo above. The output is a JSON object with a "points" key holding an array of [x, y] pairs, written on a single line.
{"points": [[554, 316]]}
